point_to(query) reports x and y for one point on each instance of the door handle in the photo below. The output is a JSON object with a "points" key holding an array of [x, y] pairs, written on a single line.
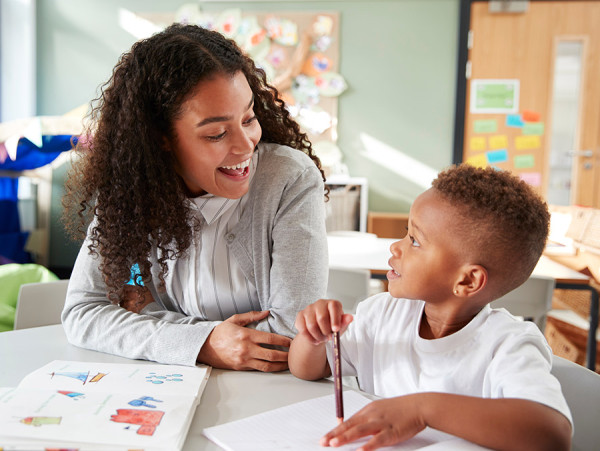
{"points": [[580, 153]]}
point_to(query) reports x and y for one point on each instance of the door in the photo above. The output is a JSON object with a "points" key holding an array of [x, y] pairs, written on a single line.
{"points": [[533, 95]]}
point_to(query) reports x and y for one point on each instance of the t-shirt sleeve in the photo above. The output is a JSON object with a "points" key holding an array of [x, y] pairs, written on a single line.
{"points": [[521, 369]]}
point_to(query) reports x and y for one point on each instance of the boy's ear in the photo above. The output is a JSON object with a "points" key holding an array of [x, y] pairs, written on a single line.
{"points": [[473, 280]]}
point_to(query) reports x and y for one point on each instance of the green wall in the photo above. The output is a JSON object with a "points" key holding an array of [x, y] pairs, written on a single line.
{"points": [[398, 57]]}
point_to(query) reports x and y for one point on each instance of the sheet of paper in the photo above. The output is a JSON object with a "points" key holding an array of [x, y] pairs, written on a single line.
{"points": [[300, 426]]}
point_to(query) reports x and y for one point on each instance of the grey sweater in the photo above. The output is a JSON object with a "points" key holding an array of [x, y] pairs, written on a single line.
{"points": [[280, 243]]}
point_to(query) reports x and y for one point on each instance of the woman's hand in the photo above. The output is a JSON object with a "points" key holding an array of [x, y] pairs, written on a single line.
{"points": [[233, 346], [135, 298], [389, 421]]}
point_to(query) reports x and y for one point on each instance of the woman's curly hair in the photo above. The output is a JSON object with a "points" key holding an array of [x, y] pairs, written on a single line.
{"points": [[125, 180], [504, 221]]}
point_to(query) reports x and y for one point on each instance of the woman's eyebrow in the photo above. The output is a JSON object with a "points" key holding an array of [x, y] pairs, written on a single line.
{"points": [[212, 119]]}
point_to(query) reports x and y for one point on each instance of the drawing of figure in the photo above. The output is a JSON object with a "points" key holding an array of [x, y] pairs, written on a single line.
{"points": [[147, 419], [41, 421]]}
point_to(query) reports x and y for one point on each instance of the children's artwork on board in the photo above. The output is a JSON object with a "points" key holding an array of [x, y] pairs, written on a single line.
{"points": [[299, 52]]}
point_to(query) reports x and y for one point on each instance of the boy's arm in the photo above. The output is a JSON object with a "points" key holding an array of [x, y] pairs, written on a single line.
{"points": [[307, 360], [507, 423]]}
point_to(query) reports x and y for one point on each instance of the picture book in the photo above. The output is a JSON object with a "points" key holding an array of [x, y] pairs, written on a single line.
{"points": [[85, 405]]}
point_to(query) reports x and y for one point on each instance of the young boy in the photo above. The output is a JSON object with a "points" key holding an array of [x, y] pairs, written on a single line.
{"points": [[432, 346]]}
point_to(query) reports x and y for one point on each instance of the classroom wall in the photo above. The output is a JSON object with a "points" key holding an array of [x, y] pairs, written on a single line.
{"points": [[396, 119]]}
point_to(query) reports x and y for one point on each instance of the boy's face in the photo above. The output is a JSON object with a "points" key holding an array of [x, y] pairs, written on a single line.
{"points": [[426, 262]]}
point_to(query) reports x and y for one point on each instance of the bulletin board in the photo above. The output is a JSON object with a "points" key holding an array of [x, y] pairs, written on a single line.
{"points": [[502, 132], [299, 52]]}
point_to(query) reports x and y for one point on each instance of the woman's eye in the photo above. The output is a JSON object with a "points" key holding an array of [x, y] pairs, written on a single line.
{"points": [[216, 137], [248, 121]]}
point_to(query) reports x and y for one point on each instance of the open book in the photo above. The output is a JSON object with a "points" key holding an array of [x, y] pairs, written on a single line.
{"points": [[86, 405]]}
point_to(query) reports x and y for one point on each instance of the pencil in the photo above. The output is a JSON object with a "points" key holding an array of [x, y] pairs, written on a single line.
{"points": [[337, 379]]}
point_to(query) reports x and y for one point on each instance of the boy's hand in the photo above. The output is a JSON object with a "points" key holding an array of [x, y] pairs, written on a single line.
{"points": [[389, 421], [319, 320]]}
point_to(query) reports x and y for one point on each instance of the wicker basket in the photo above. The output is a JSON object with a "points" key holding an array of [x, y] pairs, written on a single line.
{"points": [[342, 209], [576, 300], [569, 341]]}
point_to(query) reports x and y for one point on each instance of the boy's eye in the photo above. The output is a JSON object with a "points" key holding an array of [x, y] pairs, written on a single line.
{"points": [[414, 242]]}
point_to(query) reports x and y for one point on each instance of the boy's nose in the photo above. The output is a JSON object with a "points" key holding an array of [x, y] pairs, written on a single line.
{"points": [[396, 248]]}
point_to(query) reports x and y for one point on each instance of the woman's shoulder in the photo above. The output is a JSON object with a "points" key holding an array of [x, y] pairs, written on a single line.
{"points": [[277, 156]]}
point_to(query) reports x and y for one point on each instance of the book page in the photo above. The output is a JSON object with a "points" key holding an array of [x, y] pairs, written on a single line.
{"points": [[300, 426], [117, 405], [92, 377]]}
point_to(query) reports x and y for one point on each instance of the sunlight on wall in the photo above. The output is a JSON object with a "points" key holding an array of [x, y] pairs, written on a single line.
{"points": [[136, 25], [396, 161]]}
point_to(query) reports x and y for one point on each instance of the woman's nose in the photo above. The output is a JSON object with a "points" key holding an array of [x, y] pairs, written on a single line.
{"points": [[243, 142]]}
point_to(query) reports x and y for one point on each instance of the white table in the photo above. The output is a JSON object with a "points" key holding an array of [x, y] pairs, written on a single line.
{"points": [[228, 395]]}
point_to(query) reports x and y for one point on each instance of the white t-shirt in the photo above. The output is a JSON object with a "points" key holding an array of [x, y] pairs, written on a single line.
{"points": [[494, 356]]}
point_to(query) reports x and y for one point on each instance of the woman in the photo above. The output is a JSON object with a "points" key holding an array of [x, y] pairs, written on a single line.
{"points": [[195, 173]]}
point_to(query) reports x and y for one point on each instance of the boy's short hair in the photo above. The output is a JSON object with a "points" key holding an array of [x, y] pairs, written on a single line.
{"points": [[505, 222]]}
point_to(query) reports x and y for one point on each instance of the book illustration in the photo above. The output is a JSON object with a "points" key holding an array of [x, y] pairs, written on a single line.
{"points": [[41, 421], [142, 401], [80, 375], [71, 394], [147, 419], [154, 378]]}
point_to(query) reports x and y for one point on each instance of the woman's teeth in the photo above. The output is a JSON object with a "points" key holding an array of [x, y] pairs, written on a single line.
{"points": [[242, 165]]}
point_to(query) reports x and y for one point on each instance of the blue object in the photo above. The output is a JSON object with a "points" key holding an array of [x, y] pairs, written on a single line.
{"points": [[135, 275]]}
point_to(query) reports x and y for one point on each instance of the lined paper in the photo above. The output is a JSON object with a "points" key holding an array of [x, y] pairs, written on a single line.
{"points": [[300, 426]]}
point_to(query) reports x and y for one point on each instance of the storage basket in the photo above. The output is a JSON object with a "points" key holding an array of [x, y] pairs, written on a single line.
{"points": [[342, 209]]}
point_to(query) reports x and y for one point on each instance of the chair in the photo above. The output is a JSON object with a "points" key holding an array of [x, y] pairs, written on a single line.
{"points": [[532, 300], [349, 286], [581, 388], [40, 304]]}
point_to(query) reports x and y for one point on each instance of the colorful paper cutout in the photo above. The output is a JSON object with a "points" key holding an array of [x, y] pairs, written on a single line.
{"points": [[228, 22], [282, 31], [485, 126], [497, 156], [514, 120], [323, 25], [330, 84], [533, 128], [479, 160], [524, 161], [477, 143], [316, 64], [527, 142], [498, 142], [533, 178], [531, 116]]}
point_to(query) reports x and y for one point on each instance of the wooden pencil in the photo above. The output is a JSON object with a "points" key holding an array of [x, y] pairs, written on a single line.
{"points": [[337, 378]]}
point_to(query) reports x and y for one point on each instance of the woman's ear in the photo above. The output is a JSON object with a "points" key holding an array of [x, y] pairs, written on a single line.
{"points": [[473, 280]]}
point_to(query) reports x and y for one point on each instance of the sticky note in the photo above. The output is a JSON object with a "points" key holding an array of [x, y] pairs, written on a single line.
{"points": [[531, 116], [524, 161], [533, 178], [498, 142], [527, 142], [485, 126], [478, 143], [497, 156], [514, 120], [479, 160], [533, 128]]}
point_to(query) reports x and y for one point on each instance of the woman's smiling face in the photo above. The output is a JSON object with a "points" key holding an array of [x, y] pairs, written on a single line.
{"points": [[215, 137]]}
